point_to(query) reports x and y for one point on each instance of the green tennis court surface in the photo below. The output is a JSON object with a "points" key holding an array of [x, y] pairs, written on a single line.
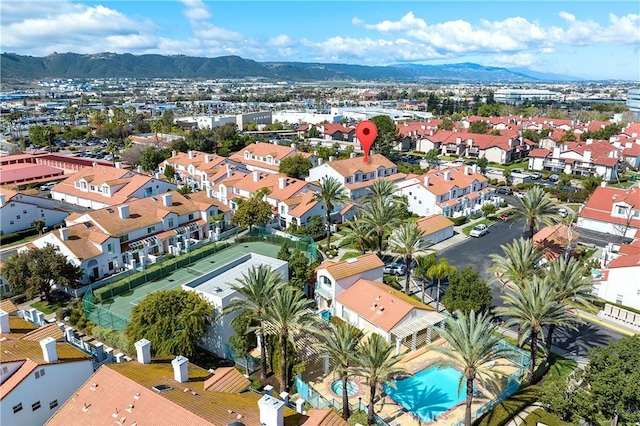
{"points": [[122, 305]]}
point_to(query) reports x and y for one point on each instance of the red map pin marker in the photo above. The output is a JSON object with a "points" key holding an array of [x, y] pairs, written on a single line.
{"points": [[366, 131]]}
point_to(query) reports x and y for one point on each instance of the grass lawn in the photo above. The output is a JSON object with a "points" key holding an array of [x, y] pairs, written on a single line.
{"points": [[541, 416], [575, 207], [46, 308], [350, 255], [18, 238], [622, 185], [508, 408], [467, 229]]}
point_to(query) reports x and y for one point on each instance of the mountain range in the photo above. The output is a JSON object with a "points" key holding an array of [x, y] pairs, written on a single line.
{"points": [[113, 65]]}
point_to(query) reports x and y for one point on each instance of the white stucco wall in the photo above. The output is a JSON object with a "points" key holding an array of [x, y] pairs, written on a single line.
{"points": [[622, 286]]}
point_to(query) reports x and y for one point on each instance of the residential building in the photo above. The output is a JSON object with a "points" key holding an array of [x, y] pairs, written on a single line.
{"points": [[587, 158], [374, 307], [333, 278], [177, 392], [452, 192], [200, 170], [103, 186], [139, 232], [555, 240], [266, 157], [336, 132], [519, 96], [299, 210], [37, 376], [435, 228], [18, 211], [217, 287], [258, 117], [617, 281], [356, 175], [612, 211]]}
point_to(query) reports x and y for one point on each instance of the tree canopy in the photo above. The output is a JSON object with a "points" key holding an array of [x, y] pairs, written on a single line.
{"points": [[38, 269], [295, 166], [467, 292], [388, 134], [479, 126], [252, 212], [172, 320], [150, 158]]}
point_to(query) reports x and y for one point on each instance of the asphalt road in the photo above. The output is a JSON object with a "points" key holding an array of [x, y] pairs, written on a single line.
{"points": [[475, 252]]}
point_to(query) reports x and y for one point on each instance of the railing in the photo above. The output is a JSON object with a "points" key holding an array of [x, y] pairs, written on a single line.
{"points": [[324, 291]]}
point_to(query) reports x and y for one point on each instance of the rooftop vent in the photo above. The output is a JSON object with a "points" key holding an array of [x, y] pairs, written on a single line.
{"points": [[352, 260], [217, 289], [161, 388]]}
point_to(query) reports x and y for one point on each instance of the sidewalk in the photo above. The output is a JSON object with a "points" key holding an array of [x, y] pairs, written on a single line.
{"points": [[609, 323]]}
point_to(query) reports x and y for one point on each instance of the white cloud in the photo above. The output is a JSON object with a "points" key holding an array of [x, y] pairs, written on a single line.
{"points": [[517, 60], [407, 23], [212, 32], [281, 40], [196, 10]]}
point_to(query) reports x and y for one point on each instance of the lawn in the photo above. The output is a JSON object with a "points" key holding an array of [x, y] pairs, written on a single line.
{"points": [[508, 408], [46, 309], [541, 416], [350, 255]]}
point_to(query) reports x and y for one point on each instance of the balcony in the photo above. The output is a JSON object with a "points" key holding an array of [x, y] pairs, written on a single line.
{"points": [[324, 291]]}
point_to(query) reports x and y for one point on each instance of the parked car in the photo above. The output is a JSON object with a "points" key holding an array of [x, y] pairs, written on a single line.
{"points": [[563, 212], [478, 231], [504, 190], [394, 269], [554, 178], [47, 186], [536, 176]]}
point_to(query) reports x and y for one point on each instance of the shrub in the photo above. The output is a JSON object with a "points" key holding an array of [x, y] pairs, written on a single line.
{"points": [[457, 221], [74, 317], [62, 313], [359, 417]]}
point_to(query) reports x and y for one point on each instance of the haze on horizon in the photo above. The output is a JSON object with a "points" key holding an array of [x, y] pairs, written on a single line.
{"points": [[592, 39]]}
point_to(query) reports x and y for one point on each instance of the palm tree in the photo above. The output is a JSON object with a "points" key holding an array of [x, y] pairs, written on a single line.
{"points": [[289, 315], [532, 307], [340, 343], [357, 233], [376, 366], [423, 263], [332, 193], [257, 288], [406, 241], [536, 208], [440, 271], [570, 286], [473, 347], [380, 216], [518, 261], [383, 189]]}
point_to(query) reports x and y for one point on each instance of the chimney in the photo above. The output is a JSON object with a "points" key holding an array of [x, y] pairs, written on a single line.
{"points": [[143, 349], [228, 170], [64, 234], [180, 369], [167, 199], [332, 158], [256, 176], [158, 175], [353, 155], [49, 352], [589, 141], [173, 153], [320, 161], [467, 170], [271, 411], [447, 175], [4, 322], [294, 146], [426, 180], [118, 165], [206, 158], [123, 211], [282, 182], [190, 155], [587, 155], [139, 169]]}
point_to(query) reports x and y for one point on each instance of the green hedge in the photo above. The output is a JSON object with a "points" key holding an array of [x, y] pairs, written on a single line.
{"points": [[457, 221]]}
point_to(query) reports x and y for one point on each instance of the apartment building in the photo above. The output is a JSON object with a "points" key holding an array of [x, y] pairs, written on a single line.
{"points": [[18, 211], [103, 186], [266, 157]]}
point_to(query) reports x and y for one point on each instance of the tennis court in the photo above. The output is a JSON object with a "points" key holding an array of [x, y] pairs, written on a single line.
{"points": [[123, 304]]}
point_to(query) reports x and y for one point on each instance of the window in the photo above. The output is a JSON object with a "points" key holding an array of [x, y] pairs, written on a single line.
{"points": [[171, 223], [619, 299], [151, 229], [191, 216], [18, 217], [35, 406], [40, 373], [124, 238], [109, 248], [17, 408], [24, 212], [53, 404], [110, 266]]}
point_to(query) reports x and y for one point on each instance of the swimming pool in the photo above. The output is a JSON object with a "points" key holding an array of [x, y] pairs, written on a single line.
{"points": [[352, 387], [429, 392]]}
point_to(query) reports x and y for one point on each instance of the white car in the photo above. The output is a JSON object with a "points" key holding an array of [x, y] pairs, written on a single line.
{"points": [[478, 231], [563, 212], [47, 186]]}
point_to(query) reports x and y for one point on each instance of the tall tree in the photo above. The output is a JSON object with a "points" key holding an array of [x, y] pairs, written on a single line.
{"points": [[474, 346], [172, 320], [256, 288], [381, 215], [440, 271], [482, 164], [357, 233], [38, 269], [423, 264], [289, 316], [571, 285], [295, 166], [536, 208], [517, 263], [406, 241], [332, 193], [340, 344], [376, 366], [252, 212], [532, 307], [467, 292], [388, 134], [150, 159]]}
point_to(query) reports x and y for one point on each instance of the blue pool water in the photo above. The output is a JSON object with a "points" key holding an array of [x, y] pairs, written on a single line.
{"points": [[352, 387], [429, 392]]}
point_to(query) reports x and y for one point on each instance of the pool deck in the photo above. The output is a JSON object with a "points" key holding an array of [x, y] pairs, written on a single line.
{"points": [[391, 411]]}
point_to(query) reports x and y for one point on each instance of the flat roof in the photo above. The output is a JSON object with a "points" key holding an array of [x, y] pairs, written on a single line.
{"points": [[223, 278], [22, 172]]}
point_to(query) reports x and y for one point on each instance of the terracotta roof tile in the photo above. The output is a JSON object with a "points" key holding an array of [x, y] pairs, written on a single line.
{"points": [[378, 303], [17, 377], [349, 166], [434, 223], [227, 379], [351, 267], [8, 306], [49, 330], [20, 350]]}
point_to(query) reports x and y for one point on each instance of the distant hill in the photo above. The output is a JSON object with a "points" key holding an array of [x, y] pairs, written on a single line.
{"points": [[112, 65]]}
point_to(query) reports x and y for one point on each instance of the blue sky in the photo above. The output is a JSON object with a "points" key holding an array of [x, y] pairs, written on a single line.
{"points": [[590, 39]]}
